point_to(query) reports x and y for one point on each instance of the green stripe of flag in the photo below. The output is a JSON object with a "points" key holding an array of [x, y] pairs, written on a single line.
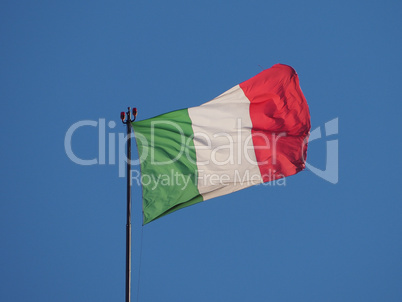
{"points": [[169, 171]]}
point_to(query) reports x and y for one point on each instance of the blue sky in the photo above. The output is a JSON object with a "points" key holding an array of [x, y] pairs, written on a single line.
{"points": [[62, 225]]}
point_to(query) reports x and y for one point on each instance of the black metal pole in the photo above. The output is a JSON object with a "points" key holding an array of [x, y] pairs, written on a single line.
{"points": [[128, 225], [128, 121]]}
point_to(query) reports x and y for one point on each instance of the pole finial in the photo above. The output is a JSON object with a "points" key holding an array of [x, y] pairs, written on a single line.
{"points": [[126, 116]]}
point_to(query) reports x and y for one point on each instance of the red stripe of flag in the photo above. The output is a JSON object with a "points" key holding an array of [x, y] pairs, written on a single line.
{"points": [[281, 121]]}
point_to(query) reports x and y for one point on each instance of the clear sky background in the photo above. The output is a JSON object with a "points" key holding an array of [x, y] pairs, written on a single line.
{"points": [[62, 225]]}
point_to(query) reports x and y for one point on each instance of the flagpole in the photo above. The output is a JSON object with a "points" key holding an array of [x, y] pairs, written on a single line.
{"points": [[128, 121]]}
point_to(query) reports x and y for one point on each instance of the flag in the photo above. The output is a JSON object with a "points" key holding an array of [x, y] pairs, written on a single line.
{"points": [[253, 133]]}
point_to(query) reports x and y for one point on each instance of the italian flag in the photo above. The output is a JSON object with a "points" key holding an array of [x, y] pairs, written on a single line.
{"points": [[255, 132]]}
